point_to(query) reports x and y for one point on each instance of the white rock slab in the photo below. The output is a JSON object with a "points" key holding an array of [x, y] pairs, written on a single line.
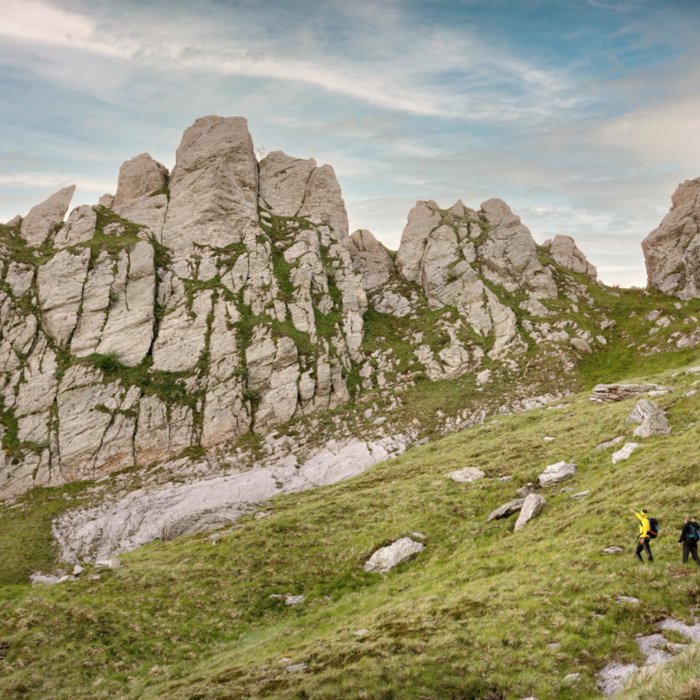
{"points": [[144, 515], [625, 452], [555, 473], [466, 475], [388, 557]]}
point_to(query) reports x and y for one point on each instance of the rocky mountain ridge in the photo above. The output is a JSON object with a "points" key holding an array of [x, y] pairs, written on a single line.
{"points": [[227, 298]]}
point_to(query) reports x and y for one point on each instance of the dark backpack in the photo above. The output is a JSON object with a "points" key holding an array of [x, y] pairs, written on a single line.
{"points": [[653, 528], [693, 534]]}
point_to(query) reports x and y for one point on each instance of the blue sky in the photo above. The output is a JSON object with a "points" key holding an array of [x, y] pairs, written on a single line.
{"points": [[583, 115]]}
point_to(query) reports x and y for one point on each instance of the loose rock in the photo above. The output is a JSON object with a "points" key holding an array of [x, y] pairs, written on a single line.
{"points": [[534, 504], [625, 452], [555, 473], [466, 475], [390, 556]]}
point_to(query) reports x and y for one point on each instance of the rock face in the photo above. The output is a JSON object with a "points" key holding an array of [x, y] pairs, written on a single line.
{"points": [[392, 555], [191, 308], [46, 217], [672, 251], [566, 253]]}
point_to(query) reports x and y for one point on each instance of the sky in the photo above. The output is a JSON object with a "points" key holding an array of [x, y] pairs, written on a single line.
{"points": [[583, 115]]}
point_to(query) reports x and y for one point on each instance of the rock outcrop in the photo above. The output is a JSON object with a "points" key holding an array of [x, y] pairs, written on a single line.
{"points": [[565, 252], [672, 251], [191, 308]]}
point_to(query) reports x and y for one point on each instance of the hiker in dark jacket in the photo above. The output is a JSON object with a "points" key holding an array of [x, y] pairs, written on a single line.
{"points": [[689, 539]]}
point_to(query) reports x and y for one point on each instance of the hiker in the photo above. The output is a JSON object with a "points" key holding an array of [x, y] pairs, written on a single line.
{"points": [[690, 534], [644, 535]]}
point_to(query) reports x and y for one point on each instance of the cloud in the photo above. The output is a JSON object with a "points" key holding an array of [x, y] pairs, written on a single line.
{"points": [[657, 135]]}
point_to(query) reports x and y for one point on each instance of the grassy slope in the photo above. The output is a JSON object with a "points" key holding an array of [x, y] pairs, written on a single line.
{"points": [[471, 616]]}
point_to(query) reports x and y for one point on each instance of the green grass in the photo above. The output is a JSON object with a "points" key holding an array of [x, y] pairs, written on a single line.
{"points": [[471, 616], [26, 544]]}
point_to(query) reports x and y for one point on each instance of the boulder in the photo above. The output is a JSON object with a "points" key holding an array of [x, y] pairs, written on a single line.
{"points": [[652, 419], [506, 510], [672, 250], [388, 557], [45, 218], [607, 393], [565, 252], [554, 473], [466, 475], [532, 506]]}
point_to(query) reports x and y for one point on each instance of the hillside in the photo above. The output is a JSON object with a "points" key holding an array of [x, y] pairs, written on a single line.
{"points": [[482, 612]]}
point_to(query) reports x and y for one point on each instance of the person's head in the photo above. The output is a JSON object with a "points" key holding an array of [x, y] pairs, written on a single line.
{"points": [[643, 511], [687, 519]]}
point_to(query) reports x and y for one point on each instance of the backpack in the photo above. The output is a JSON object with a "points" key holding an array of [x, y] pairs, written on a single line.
{"points": [[653, 528], [693, 535]]}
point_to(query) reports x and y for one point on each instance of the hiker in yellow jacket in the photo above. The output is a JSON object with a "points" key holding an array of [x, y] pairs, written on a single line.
{"points": [[644, 528]]}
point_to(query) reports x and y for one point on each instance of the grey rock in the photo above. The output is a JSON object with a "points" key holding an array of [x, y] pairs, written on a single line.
{"points": [[607, 393], [372, 259], [283, 182], [610, 443], [139, 177], [692, 632], [566, 253], [613, 550], [49, 579], [506, 509], [80, 226], [652, 419], [572, 678], [581, 346], [386, 558], [60, 284], [213, 187], [554, 473], [625, 453], [672, 251], [657, 649], [297, 668], [532, 506], [142, 516], [466, 475], [580, 495], [613, 677], [628, 599], [525, 491], [43, 219]]}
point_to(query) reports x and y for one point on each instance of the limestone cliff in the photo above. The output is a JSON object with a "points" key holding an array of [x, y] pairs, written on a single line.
{"points": [[194, 307]]}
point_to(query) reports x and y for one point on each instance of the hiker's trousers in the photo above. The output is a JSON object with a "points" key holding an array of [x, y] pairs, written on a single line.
{"points": [[643, 546], [690, 549]]}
